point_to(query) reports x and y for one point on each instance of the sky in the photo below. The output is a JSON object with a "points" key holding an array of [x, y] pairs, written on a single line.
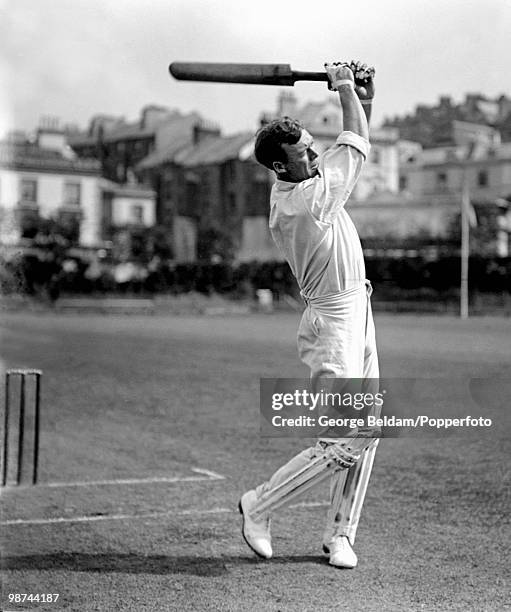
{"points": [[73, 59]]}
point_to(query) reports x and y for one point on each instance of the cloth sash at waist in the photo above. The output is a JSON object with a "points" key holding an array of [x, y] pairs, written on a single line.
{"points": [[331, 304]]}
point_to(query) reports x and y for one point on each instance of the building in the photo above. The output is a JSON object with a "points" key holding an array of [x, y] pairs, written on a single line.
{"points": [[125, 206], [442, 171], [216, 197], [159, 169], [437, 125], [482, 167], [120, 145], [44, 179]]}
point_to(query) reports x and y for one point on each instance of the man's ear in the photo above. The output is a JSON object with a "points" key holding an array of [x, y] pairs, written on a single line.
{"points": [[279, 167]]}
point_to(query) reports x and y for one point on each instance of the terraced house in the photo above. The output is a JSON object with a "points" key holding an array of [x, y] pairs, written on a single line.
{"points": [[43, 178]]}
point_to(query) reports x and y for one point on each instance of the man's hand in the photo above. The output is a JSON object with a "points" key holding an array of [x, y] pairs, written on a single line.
{"points": [[364, 79], [339, 73]]}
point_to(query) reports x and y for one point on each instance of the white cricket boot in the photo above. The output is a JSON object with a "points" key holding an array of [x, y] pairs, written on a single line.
{"points": [[341, 553], [256, 533]]}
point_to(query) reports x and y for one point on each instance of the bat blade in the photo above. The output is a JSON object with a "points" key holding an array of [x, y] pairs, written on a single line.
{"points": [[257, 74]]}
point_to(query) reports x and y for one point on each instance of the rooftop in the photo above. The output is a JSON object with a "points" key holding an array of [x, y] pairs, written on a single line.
{"points": [[464, 153], [213, 150], [117, 129], [176, 135], [29, 156], [133, 190]]}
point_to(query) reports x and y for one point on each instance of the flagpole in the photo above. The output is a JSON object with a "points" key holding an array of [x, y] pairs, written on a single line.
{"points": [[465, 247]]}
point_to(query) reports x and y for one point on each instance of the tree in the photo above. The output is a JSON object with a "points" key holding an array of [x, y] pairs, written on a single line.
{"points": [[482, 237]]}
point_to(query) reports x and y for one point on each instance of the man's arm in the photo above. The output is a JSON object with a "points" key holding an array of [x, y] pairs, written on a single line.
{"points": [[354, 118], [367, 106], [364, 85], [340, 165]]}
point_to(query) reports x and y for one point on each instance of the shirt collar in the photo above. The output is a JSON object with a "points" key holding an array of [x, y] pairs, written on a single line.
{"points": [[284, 185], [287, 185]]}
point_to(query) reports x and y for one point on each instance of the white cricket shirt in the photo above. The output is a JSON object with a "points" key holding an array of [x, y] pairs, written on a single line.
{"points": [[311, 227]]}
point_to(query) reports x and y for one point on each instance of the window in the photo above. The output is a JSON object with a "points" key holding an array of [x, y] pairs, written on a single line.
{"points": [[230, 168], [28, 222], [191, 205], [72, 194], [403, 182], [28, 190], [205, 182], [257, 199], [441, 179], [482, 178], [137, 213], [375, 155], [69, 224], [166, 190]]}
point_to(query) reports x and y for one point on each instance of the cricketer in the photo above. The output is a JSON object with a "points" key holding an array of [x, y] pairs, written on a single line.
{"points": [[336, 336]]}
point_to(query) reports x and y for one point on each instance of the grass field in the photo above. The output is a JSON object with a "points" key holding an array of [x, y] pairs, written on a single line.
{"points": [[172, 404]]}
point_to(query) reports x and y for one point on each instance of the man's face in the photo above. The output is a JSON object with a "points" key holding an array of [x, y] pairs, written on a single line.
{"points": [[300, 164]]}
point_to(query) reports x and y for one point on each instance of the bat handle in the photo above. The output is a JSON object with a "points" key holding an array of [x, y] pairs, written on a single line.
{"points": [[299, 75], [317, 76]]}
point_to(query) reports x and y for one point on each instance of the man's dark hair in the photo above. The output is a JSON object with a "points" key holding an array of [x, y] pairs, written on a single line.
{"points": [[270, 138]]}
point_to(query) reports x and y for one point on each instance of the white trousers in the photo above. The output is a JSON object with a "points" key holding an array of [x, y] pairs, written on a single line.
{"points": [[336, 339]]}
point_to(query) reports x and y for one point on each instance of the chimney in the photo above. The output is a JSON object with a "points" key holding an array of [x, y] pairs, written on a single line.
{"points": [[50, 135], [287, 105], [203, 129], [102, 124], [152, 115]]}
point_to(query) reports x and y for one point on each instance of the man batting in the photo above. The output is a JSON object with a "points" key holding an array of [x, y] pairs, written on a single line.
{"points": [[336, 337]]}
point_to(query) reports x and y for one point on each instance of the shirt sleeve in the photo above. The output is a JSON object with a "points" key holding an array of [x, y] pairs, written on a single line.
{"points": [[339, 168]]}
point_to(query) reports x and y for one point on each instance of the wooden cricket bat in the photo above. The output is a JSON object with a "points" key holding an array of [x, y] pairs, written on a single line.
{"points": [[256, 74]]}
